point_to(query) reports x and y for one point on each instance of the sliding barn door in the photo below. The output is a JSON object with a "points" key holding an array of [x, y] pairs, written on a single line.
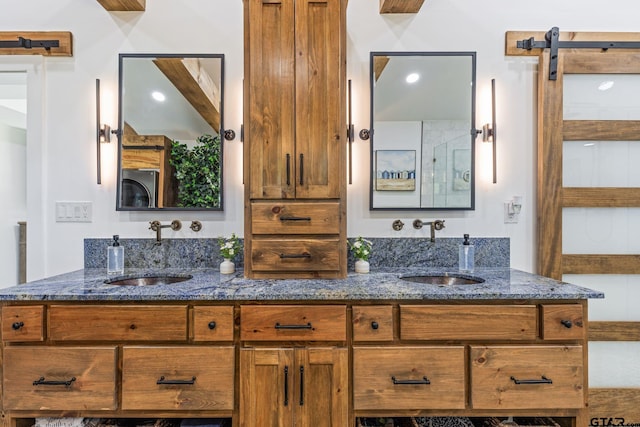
{"points": [[588, 206]]}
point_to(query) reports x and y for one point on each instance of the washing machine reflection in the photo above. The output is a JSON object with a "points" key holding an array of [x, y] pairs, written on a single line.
{"points": [[139, 188]]}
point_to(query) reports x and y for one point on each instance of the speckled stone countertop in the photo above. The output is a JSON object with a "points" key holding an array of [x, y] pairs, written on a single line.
{"points": [[379, 285]]}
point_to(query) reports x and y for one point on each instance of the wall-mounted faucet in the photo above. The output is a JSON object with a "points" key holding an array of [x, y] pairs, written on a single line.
{"points": [[157, 227], [437, 224]]}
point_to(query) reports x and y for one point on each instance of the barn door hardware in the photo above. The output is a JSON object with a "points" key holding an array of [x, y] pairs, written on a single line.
{"points": [[552, 42], [29, 44]]}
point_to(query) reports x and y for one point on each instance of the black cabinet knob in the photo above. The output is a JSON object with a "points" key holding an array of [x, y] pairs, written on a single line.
{"points": [[17, 325], [212, 325], [374, 325], [566, 323]]}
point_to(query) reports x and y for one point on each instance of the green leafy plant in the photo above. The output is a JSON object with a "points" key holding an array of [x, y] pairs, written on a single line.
{"points": [[361, 248], [229, 247], [198, 172]]}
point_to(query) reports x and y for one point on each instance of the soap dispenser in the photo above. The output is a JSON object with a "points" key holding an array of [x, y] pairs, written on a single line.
{"points": [[115, 257], [466, 256]]}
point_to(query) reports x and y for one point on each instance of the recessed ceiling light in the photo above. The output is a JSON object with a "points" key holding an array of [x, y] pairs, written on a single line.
{"points": [[605, 85], [158, 96], [589, 144], [413, 77]]}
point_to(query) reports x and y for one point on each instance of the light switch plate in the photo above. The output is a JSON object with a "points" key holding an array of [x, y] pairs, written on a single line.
{"points": [[509, 219], [74, 211]]}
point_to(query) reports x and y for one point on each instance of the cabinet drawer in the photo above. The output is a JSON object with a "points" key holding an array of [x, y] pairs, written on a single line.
{"points": [[176, 378], [295, 218], [213, 323], [36, 378], [408, 378], [562, 322], [527, 377], [473, 322], [293, 323], [296, 255], [113, 323], [22, 323], [373, 323]]}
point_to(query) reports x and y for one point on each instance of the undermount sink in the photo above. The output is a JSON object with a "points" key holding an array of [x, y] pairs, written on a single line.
{"points": [[156, 279], [444, 279]]}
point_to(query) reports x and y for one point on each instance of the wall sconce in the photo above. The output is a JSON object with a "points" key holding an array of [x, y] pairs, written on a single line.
{"points": [[512, 210], [103, 132], [350, 136], [489, 130]]}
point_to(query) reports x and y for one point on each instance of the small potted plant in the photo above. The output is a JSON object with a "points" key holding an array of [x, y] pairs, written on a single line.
{"points": [[229, 249], [361, 250]]}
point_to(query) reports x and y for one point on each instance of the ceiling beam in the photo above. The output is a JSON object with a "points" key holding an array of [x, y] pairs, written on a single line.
{"points": [[123, 5], [400, 6]]}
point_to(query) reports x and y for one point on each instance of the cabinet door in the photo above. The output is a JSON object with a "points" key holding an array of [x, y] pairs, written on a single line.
{"points": [[320, 98], [301, 387], [269, 99], [266, 387]]}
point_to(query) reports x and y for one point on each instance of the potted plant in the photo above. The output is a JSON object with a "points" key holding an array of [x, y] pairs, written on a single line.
{"points": [[198, 172], [361, 250], [229, 249]]}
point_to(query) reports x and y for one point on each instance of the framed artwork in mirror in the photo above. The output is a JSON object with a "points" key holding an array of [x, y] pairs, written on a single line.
{"points": [[395, 170]]}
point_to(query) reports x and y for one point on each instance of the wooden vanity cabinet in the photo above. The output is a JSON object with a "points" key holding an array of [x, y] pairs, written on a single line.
{"points": [[295, 138]]}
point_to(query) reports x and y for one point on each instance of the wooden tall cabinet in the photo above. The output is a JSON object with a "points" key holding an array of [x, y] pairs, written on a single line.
{"points": [[295, 137]]}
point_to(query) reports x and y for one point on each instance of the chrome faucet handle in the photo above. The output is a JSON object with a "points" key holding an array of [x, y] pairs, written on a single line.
{"points": [[417, 224], [438, 224], [153, 225], [176, 225], [196, 226]]}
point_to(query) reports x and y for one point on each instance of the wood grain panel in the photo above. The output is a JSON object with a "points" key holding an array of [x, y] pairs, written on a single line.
{"points": [[601, 197], [123, 5], [550, 144], [614, 406], [562, 322], [117, 323], [276, 323], [614, 331], [91, 372], [312, 255], [494, 370], [400, 6], [23, 323], [212, 367], [601, 130], [613, 61], [375, 367], [600, 264], [64, 37], [213, 323], [474, 322], [512, 37]]}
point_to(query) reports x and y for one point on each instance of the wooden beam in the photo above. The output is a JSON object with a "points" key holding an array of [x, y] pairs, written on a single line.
{"points": [[600, 264], [64, 37], [379, 63], [601, 197], [612, 61], [400, 6], [123, 5], [614, 331], [608, 405], [601, 130], [195, 85], [512, 37]]}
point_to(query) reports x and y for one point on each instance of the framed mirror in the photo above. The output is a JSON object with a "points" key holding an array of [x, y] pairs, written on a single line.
{"points": [[170, 134], [423, 130]]}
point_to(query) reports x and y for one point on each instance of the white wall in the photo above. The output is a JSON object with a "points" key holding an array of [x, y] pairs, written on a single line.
{"points": [[216, 26]]}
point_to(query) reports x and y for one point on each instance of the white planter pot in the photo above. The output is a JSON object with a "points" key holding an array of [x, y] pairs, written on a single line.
{"points": [[227, 266], [362, 266]]}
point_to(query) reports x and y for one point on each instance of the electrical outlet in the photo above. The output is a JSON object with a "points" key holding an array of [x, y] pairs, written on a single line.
{"points": [[74, 211], [510, 217]]}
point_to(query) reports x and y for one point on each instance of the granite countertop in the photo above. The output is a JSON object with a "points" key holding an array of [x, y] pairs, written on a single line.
{"points": [[210, 285]]}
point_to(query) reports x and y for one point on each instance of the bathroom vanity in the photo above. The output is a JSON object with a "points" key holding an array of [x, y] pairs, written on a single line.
{"points": [[295, 352]]}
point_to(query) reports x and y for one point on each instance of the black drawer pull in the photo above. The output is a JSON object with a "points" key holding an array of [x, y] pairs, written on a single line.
{"points": [[304, 255], [307, 326], [424, 380], [566, 323], [295, 218], [286, 386], [543, 380], [162, 381], [42, 381], [212, 325], [301, 385], [17, 325], [301, 169], [374, 325]]}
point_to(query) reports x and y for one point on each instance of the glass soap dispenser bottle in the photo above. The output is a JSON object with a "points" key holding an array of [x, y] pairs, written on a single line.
{"points": [[466, 253], [115, 257]]}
